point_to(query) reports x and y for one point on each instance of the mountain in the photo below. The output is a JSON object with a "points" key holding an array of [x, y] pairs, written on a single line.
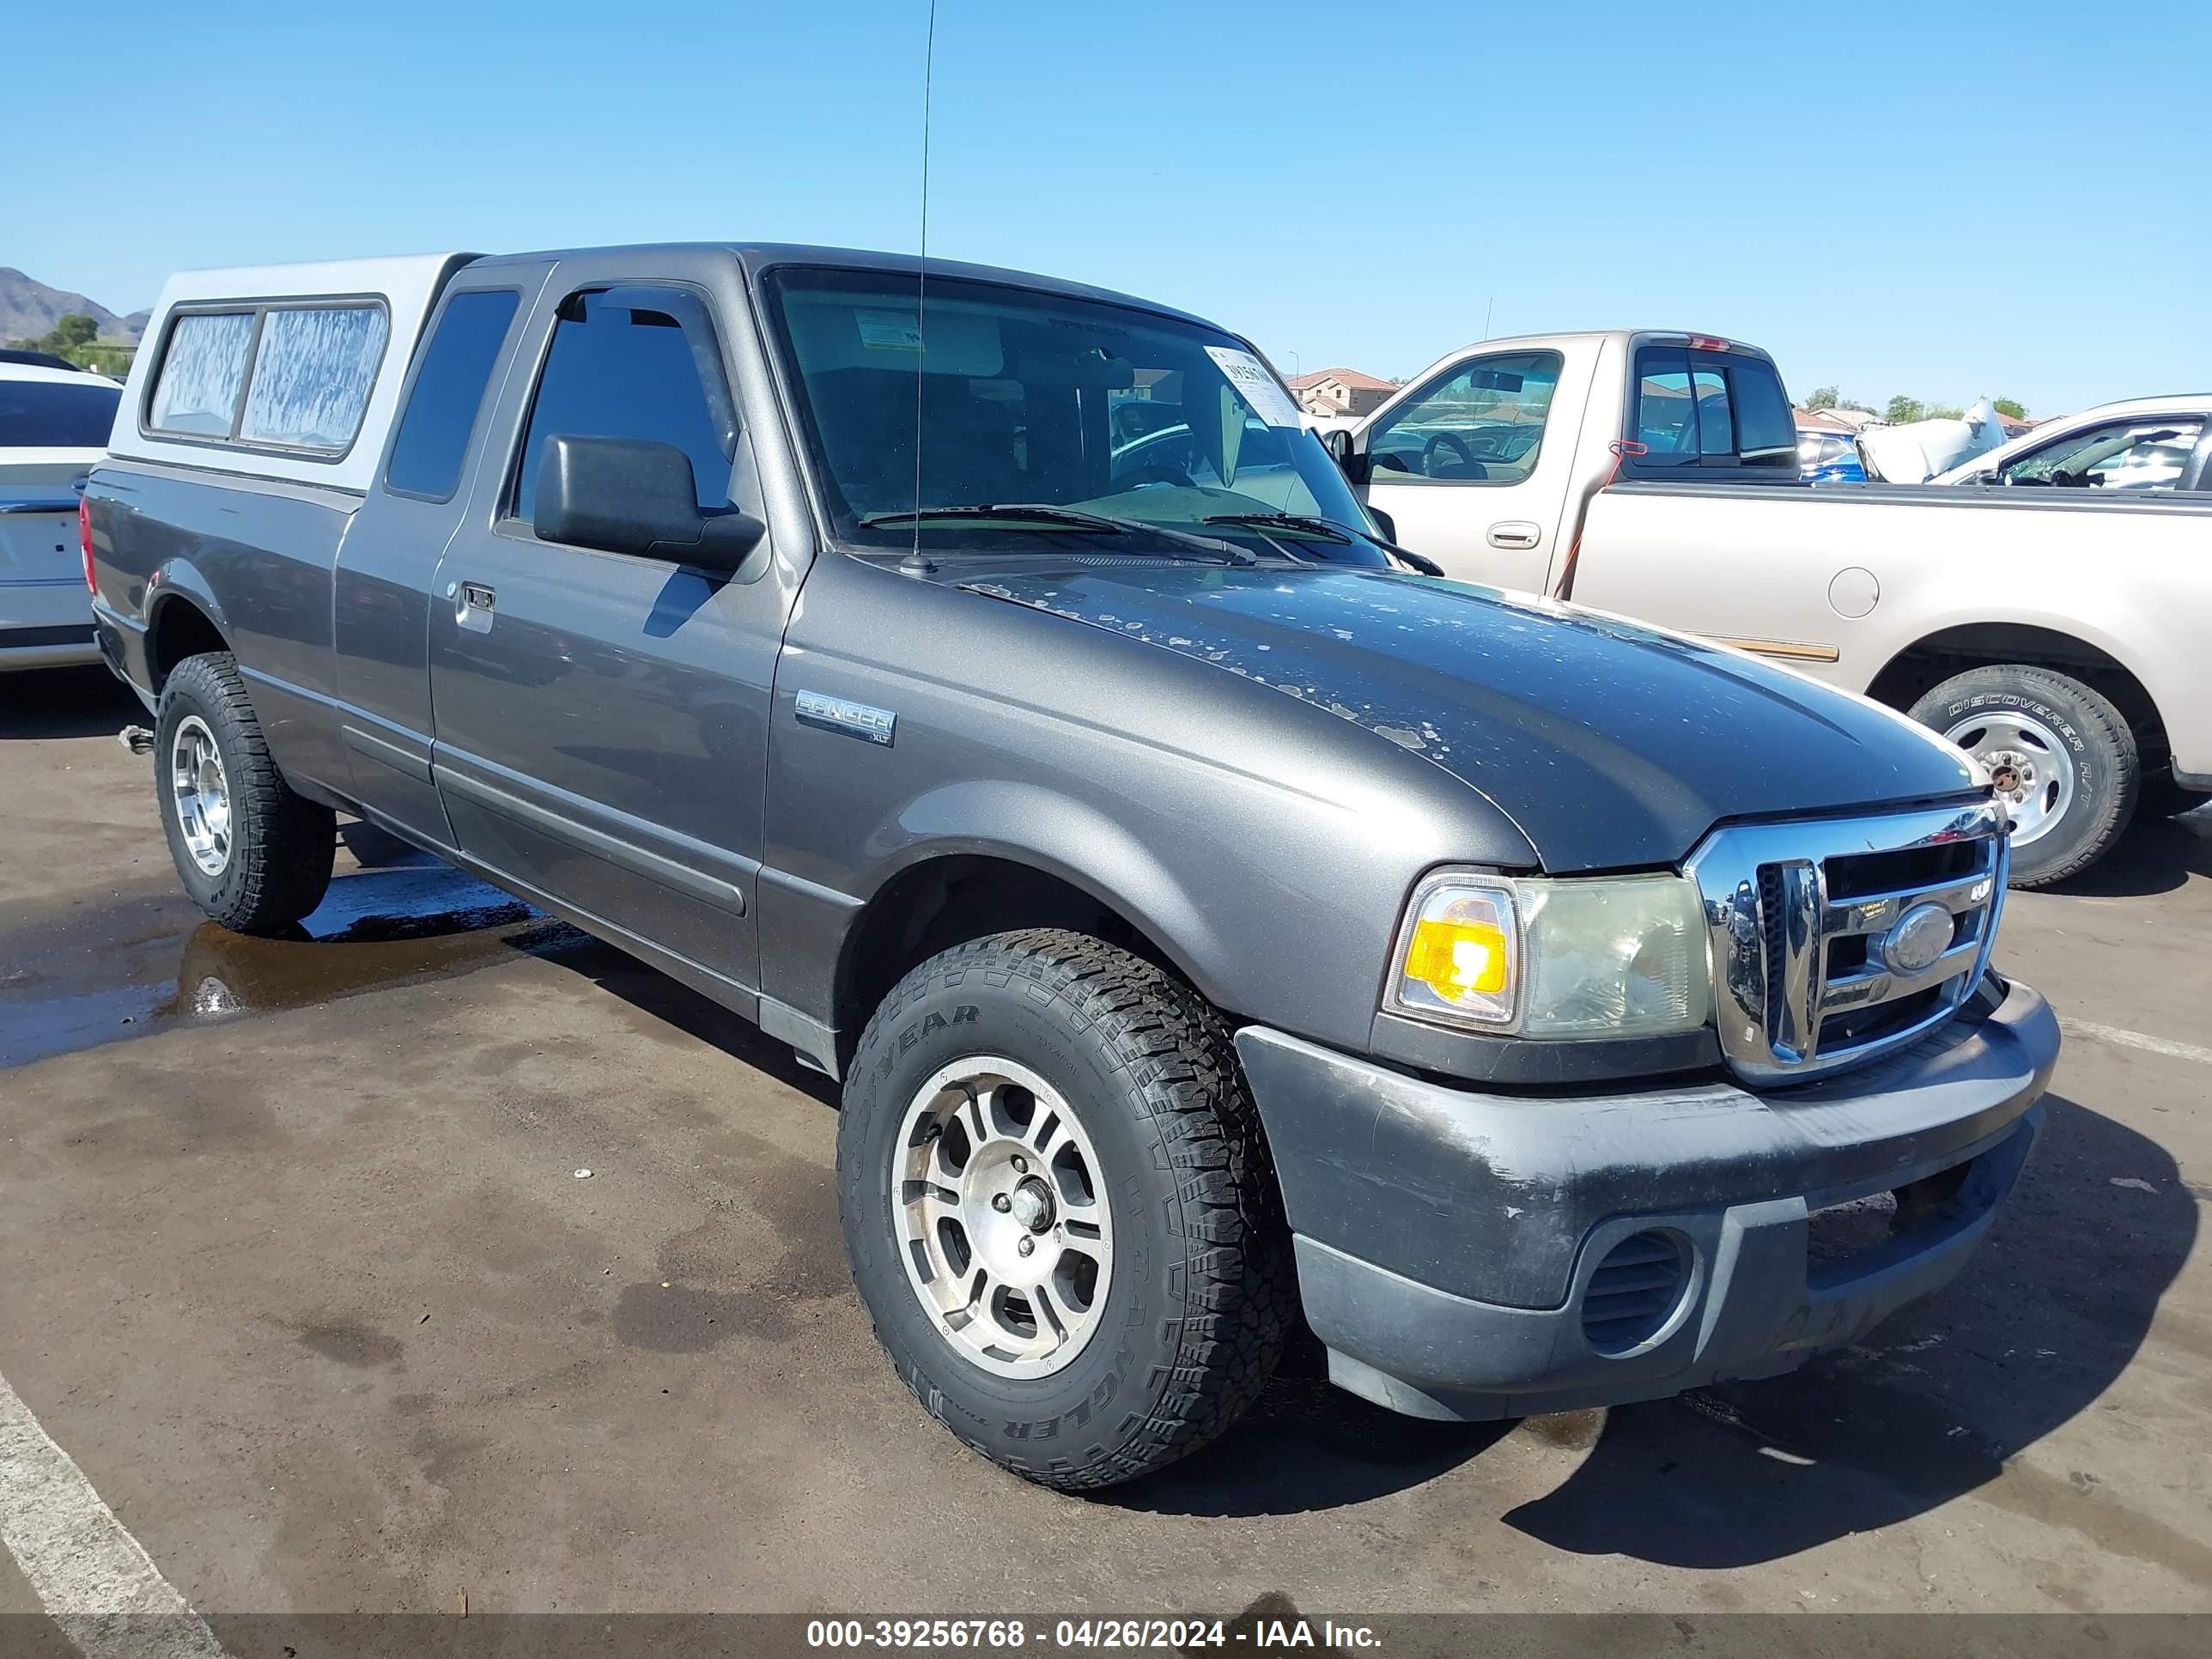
{"points": [[29, 309]]}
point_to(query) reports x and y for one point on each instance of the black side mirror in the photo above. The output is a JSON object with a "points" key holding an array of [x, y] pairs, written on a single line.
{"points": [[631, 495], [1349, 453]]}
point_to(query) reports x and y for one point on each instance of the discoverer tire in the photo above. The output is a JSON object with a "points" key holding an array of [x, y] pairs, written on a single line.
{"points": [[1200, 1295], [2081, 730], [278, 846]]}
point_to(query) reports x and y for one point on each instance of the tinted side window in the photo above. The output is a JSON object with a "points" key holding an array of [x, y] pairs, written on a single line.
{"points": [[1712, 410], [312, 374], [1715, 420], [201, 371], [1482, 423], [42, 414], [1666, 418], [449, 388], [1765, 430], [634, 363]]}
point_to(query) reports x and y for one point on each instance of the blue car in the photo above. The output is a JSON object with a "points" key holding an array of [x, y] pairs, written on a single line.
{"points": [[1828, 457]]}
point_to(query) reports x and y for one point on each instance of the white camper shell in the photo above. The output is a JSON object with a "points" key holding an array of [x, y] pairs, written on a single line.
{"points": [[290, 372]]}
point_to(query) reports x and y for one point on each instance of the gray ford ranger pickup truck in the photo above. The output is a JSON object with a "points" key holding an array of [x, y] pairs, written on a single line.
{"points": [[984, 683]]}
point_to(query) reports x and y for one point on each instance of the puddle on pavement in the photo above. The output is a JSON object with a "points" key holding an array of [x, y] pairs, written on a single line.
{"points": [[109, 973]]}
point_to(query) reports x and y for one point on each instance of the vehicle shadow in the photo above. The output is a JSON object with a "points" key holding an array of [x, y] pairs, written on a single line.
{"points": [[1307, 1446], [65, 702], [1932, 1405], [2155, 855], [650, 991]]}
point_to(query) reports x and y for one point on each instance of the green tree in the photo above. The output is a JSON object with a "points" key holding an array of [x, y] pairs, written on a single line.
{"points": [[1822, 396], [2011, 408], [1943, 412], [76, 329], [1903, 409]]}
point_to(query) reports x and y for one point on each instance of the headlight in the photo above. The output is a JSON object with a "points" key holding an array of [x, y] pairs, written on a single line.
{"points": [[1609, 956]]}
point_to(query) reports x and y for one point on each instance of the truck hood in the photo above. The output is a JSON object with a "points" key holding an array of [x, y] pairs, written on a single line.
{"points": [[1611, 745]]}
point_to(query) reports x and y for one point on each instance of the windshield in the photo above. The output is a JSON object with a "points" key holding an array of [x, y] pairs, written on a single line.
{"points": [[1029, 398]]}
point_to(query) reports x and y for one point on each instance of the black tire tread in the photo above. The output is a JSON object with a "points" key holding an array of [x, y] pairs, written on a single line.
{"points": [[1239, 1289], [2105, 724], [286, 845]]}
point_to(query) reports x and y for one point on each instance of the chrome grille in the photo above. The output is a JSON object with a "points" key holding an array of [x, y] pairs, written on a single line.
{"points": [[1811, 968]]}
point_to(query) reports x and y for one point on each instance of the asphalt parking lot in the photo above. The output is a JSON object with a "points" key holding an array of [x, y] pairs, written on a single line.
{"points": [[296, 1266]]}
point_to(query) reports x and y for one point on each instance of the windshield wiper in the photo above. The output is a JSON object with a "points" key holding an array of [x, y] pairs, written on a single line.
{"points": [[1331, 530], [1069, 518]]}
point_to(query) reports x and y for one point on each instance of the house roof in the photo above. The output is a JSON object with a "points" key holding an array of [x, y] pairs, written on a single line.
{"points": [[1819, 420], [1348, 377]]}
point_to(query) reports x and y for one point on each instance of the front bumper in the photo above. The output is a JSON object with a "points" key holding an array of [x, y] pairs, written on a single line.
{"points": [[1456, 1249]]}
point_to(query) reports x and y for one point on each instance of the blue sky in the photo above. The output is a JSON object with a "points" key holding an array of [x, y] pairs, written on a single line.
{"points": [[1894, 198]]}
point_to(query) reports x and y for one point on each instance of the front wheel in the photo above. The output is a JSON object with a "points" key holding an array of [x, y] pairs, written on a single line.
{"points": [[2061, 757], [1060, 1208]]}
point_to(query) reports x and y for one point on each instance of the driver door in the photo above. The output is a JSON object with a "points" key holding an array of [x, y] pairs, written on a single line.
{"points": [[1469, 467]]}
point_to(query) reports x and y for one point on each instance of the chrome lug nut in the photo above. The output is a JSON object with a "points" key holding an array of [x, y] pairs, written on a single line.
{"points": [[1002, 1203], [1026, 1245]]}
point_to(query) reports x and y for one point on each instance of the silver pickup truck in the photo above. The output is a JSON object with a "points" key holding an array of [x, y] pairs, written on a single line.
{"points": [[2056, 633], [991, 688]]}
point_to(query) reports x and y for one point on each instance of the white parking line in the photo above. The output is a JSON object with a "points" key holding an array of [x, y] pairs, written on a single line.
{"points": [[2096, 1033], [91, 1577]]}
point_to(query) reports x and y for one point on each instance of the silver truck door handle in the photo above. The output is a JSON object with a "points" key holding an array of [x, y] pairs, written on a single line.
{"points": [[473, 605], [1514, 532]]}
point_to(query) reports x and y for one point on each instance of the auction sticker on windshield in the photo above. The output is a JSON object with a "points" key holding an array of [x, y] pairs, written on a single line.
{"points": [[889, 330], [1261, 389]]}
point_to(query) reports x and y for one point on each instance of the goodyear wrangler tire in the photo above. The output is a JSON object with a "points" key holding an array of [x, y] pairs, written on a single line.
{"points": [[1060, 1208], [255, 856], [2062, 756]]}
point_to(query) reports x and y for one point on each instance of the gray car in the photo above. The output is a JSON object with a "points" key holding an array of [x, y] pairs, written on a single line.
{"points": [[1215, 924]]}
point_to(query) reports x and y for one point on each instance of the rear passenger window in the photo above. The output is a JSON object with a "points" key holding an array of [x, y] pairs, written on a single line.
{"points": [[202, 373], [449, 387], [1716, 423], [1712, 409], [313, 375], [1665, 419], [1765, 427], [634, 363]]}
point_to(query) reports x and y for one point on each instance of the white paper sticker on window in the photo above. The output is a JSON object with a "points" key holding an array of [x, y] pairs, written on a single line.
{"points": [[1260, 389], [889, 330]]}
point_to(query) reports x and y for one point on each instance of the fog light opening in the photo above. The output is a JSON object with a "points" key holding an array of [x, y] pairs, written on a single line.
{"points": [[1634, 1291]]}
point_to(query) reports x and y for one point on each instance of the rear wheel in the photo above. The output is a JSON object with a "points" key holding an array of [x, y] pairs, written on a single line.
{"points": [[2061, 755], [1060, 1209], [252, 853]]}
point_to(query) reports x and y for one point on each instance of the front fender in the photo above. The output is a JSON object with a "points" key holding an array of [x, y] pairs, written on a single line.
{"points": [[807, 929], [1026, 823]]}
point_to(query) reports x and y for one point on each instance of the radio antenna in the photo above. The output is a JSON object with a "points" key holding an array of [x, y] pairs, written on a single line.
{"points": [[914, 561]]}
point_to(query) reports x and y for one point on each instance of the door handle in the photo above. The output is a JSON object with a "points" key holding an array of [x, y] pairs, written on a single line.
{"points": [[473, 605], [1514, 533]]}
